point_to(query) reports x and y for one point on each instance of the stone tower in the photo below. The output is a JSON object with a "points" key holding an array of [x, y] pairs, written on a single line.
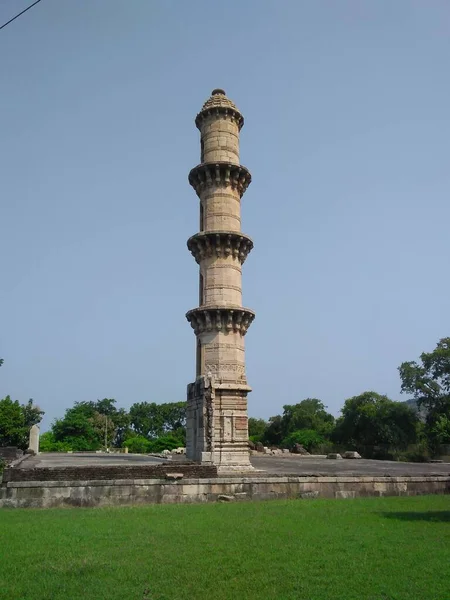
{"points": [[217, 424]]}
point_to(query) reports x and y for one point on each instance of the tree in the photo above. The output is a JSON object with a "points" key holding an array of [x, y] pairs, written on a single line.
{"points": [[372, 420], [274, 432], [12, 423], [16, 420], [429, 383], [153, 420], [256, 429], [308, 414], [308, 438], [32, 414], [77, 428]]}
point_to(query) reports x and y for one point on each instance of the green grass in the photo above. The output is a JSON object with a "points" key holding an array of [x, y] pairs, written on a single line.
{"points": [[365, 549]]}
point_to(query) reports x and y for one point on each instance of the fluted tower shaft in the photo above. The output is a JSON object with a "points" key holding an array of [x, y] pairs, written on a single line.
{"points": [[217, 427]]}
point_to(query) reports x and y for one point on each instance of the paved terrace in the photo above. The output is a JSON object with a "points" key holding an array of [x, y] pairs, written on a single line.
{"points": [[270, 465]]}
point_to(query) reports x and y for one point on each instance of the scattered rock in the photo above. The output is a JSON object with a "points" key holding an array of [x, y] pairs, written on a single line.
{"points": [[285, 450], [308, 495], [351, 454], [266, 450], [299, 449], [179, 451], [251, 445], [224, 498], [334, 455], [241, 496], [259, 447]]}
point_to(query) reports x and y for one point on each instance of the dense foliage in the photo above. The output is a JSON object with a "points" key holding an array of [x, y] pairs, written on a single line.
{"points": [[16, 420], [376, 426], [147, 427], [429, 383]]}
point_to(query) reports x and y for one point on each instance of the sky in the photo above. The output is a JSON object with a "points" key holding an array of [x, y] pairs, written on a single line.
{"points": [[347, 137]]}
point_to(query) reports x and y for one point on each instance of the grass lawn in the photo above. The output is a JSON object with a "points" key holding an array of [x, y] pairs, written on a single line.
{"points": [[365, 549]]}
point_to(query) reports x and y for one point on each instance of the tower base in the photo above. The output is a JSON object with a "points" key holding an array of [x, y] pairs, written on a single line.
{"points": [[217, 425]]}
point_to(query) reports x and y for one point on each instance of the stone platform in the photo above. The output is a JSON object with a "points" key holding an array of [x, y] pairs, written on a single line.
{"points": [[288, 464], [50, 480]]}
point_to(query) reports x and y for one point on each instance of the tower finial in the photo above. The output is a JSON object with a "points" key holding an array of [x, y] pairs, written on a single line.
{"points": [[218, 91]]}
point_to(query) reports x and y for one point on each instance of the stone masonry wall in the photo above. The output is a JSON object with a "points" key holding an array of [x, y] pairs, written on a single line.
{"points": [[107, 473], [39, 494]]}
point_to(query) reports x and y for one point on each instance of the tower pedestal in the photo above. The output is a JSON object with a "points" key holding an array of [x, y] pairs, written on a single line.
{"points": [[217, 425]]}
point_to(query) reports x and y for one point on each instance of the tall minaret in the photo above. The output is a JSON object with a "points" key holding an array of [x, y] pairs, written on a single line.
{"points": [[217, 427]]}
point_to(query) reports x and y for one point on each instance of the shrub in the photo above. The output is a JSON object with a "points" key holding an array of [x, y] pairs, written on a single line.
{"points": [[415, 453], [255, 438], [137, 445], [47, 443], [166, 442], [308, 438], [2, 465]]}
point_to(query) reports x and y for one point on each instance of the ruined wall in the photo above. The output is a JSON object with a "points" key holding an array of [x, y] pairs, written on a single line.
{"points": [[39, 494], [112, 472]]}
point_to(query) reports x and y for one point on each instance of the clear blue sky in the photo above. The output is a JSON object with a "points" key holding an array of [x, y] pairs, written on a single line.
{"points": [[347, 136]]}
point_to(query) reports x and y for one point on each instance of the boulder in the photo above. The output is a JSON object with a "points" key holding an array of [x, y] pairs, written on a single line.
{"points": [[179, 451], [259, 447], [299, 449], [351, 454], [251, 445], [334, 455], [285, 450]]}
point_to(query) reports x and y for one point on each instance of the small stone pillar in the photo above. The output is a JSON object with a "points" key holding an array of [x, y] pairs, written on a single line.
{"points": [[34, 439]]}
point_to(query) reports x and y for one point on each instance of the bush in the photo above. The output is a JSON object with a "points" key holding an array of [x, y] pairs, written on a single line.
{"points": [[47, 443], [308, 438], [255, 438], [166, 442], [415, 453], [2, 465], [137, 445]]}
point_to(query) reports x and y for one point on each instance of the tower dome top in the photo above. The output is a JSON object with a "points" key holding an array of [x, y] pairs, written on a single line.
{"points": [[218, 102]]}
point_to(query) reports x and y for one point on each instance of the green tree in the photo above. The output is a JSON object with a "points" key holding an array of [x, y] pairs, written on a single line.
{"points": [[137, 444], [47, 443], [308, 414], [308, 438], [12, 423], [274, 433], [256, 429], [153, 420], [77, 428], [372, 420], [429, 383], [86, 425], [32, 414], [16, 420]]}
